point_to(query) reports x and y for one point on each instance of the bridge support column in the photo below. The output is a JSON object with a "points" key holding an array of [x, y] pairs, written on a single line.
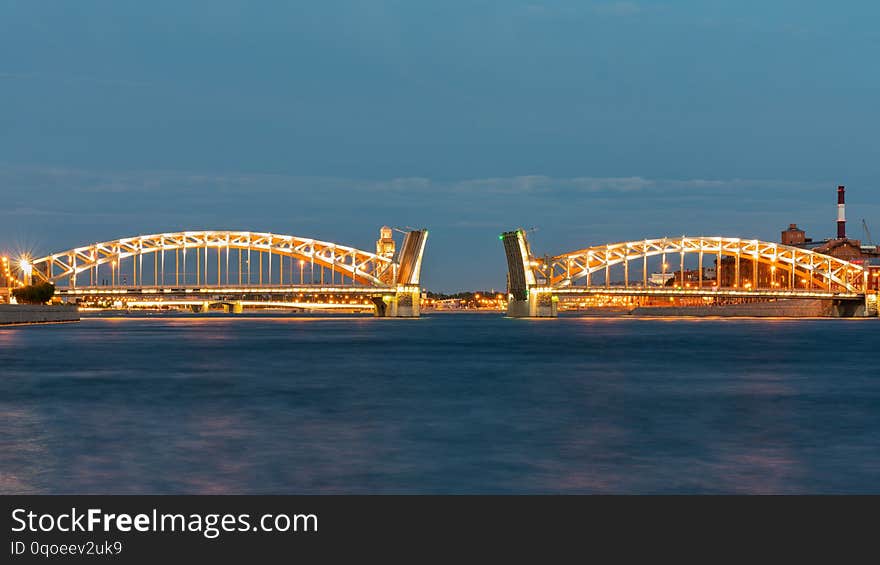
{"points": [[536, 305], [871, 305], [405, 303], [233, 307]]}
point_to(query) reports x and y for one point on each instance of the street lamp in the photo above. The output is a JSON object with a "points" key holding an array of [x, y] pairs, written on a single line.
{"points": [[301, 266], [26, 268]]}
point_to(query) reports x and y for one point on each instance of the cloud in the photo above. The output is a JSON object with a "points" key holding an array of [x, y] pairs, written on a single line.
{"points": [[27, 211], [67, 79], [185, 184]]}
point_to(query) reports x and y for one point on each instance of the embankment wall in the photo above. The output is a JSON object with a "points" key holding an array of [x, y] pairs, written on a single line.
{"points": [[36, 314], [778, 309]]}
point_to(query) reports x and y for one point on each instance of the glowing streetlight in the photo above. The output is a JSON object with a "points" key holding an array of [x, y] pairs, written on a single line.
{"points": [[6, 275], [301, 265], [26, 268]]}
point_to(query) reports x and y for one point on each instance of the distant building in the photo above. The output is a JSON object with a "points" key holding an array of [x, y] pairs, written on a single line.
{"points": [[846, 249], [873, 267], [449, 304], [841, 247], [660, 279], [794, 236]]}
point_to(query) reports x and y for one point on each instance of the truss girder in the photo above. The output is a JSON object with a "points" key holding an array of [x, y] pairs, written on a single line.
{"points": [[564, 270], [361, 266]]}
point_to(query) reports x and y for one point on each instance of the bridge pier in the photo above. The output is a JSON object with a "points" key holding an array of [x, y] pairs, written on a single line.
{"points": [[233, 307], [871, 305], [405, 303], [537, 305]]}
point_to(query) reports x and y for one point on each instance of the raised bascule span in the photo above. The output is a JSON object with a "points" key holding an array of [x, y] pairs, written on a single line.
{"points": [[743, 269], [234, 269]]}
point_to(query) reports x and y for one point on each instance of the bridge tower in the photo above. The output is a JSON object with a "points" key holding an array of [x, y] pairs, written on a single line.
{"points": [[385, 243], [405, 302], [526, 298]]}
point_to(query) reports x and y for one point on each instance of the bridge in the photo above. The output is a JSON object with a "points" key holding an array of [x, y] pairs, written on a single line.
{"points": [[236, 269], [742, 269]]}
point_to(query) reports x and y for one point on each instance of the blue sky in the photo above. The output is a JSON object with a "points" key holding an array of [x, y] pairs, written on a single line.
{"points": [[593, 121]]}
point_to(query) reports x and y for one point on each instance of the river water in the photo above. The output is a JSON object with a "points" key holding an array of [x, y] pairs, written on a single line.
{"points": [[449, 403]]}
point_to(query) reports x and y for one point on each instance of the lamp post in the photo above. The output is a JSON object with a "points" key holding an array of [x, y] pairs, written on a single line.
{"points": [[27, 270], [301, 266]]}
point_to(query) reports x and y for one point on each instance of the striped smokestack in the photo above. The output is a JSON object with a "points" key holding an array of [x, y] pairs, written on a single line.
{"points": [[841, 213]]}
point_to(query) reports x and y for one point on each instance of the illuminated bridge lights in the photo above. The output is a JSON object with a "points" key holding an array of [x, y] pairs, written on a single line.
{"points": [[740, 269], [239, 266], [229, 259], [233, 290], [790, 268]]}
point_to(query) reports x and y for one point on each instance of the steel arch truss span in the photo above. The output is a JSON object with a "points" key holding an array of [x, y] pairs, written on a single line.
{"points": [[221, 258], [799, 268]]}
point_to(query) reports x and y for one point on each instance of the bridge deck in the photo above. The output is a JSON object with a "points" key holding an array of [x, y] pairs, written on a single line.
{"points": [[227, 290], [699, 292]]}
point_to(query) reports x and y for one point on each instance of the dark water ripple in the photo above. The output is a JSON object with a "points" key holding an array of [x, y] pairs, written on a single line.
{"points": [[448, 404]]}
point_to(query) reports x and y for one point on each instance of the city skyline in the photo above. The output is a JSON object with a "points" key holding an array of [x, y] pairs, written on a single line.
{"points": [[470, 241], [593, 121]]}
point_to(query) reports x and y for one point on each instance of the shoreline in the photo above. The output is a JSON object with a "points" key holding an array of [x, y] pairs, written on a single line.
{"points": [[20, 324], [29, 314]]}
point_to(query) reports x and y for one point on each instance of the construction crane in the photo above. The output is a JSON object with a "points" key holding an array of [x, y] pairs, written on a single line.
{"points": [[867, 233]]}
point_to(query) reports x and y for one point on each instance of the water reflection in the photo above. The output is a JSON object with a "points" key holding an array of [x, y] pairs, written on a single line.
{"points": [[23, 443], [444, 404]]}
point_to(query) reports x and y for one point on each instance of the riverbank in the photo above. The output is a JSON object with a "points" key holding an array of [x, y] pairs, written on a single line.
{"points": [[775, 309], [21, 314]]}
